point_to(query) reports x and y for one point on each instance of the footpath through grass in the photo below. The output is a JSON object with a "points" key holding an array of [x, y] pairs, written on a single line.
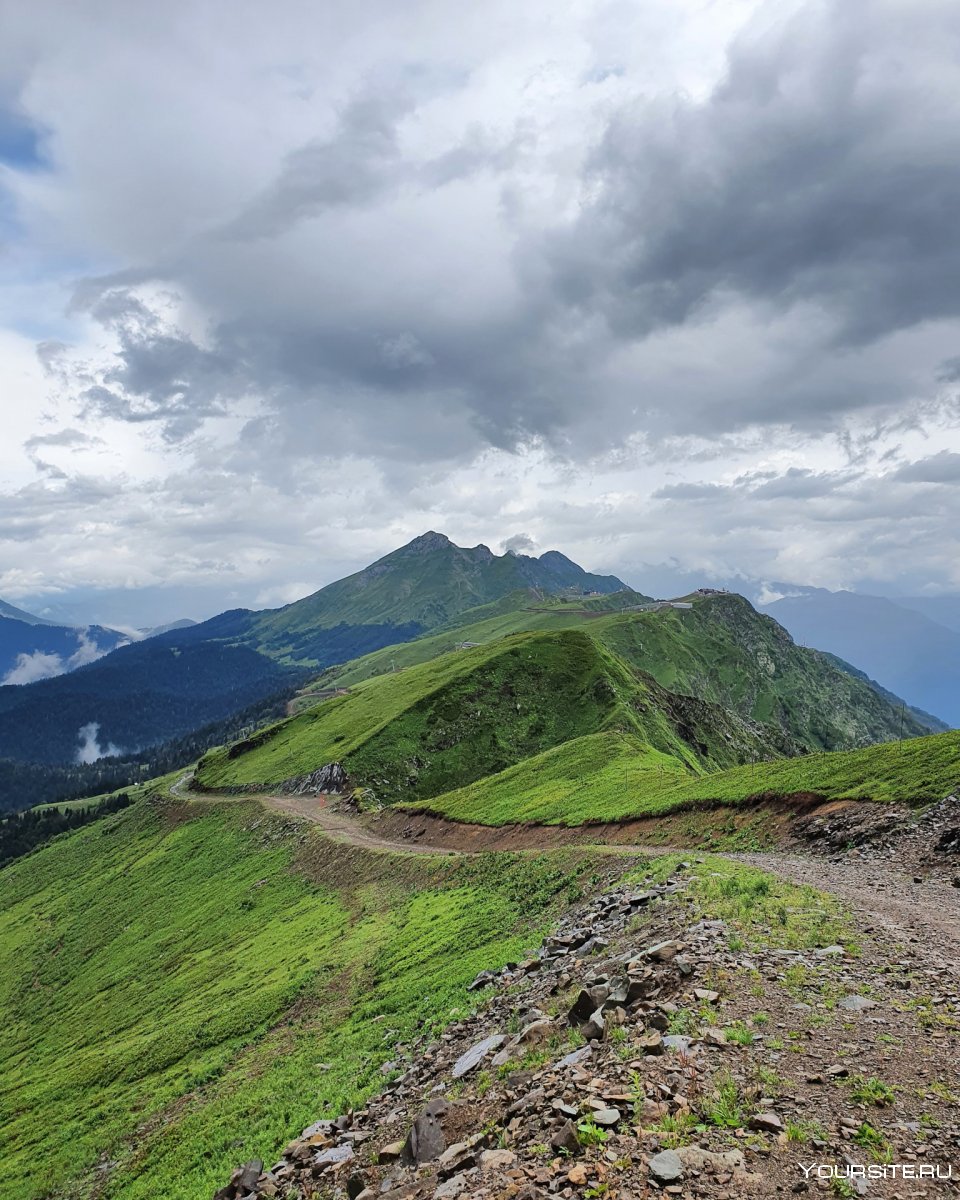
{"points": [[608, 778], [185, 987]]}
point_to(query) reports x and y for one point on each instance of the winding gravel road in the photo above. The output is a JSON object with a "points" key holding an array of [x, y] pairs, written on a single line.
{"points": [[906, 906]]}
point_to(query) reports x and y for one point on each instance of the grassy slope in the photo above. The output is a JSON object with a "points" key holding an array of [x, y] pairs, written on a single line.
{"points": [[584, 776], [517, 613], [723, 651], [597, 780], [449, 722], [455, 719], [170, 985], [720, 650]]}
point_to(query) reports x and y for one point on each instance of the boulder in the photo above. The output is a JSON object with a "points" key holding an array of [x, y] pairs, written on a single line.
{"points": [[566, 1138], [766, 1122], [497, 1160], [336, 1156], [663, 951], [587, 1003], [695, 1159], [426, 1141], [666, 1167], [607, 1118], [593, 1029], [856, 1003]]}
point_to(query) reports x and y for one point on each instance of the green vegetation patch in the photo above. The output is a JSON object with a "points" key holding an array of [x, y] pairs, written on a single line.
{"points": [[592, 778], [449, 722], [186, 987], [760, 908], [719, 649], [913, 772]]}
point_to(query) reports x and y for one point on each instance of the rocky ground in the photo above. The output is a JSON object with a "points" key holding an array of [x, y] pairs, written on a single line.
{"points": [[660, 1044]]}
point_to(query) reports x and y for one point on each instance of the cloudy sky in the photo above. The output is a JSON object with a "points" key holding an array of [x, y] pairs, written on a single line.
{"points": [[652, 282]]}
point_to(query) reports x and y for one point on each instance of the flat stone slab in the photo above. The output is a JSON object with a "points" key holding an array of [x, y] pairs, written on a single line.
{"points": [[476, 1054]]}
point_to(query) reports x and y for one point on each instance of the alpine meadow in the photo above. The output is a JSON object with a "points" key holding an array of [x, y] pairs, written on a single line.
{"points": [[480, 600]]}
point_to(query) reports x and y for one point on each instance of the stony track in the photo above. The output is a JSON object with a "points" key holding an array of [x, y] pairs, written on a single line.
{"points": [[907, 903]]}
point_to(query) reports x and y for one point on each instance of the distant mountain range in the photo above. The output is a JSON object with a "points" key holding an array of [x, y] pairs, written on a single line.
{"points": [[898, 642], [146, 693], [34, 648]]}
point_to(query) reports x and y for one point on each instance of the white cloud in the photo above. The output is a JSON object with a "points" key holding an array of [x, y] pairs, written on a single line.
{"points": [[31, 667], [40, 665], [363, 271], [90, 749]]}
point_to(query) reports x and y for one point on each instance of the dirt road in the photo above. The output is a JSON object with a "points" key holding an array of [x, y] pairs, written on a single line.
{"points": [[899, 901]]}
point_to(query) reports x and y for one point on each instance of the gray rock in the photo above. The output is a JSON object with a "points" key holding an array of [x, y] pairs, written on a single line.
{"points": [[566, 1138], [857, 1003], [651, 1043], [696, 1159], [531, 1099], [476, 1054], [662, 951], [329, 778], [607, 1118], [450, 1188], [484, 979], [564, 1109], [666, 1167], [426, 1141], [677, 1041], [334, 1157], [593, 1029], [766, 1122], [574, 1057], [589, 1000], [497, 1160]]}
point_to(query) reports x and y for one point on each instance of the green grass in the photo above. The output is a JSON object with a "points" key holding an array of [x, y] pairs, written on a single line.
{"points": [[720, 650], [871, 1091], [172, 976], [485, 626], [463, 716], [589, 778], [913, 772], [765, 911]]}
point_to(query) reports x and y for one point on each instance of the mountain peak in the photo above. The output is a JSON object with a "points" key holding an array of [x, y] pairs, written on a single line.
{"points": [[431, 540]]}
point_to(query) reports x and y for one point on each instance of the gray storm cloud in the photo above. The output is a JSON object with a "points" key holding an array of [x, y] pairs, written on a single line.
{"points": [[415, 272]]}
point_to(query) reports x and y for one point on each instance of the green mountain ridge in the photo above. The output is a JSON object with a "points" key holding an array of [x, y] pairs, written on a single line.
{"points": [[602, 778], [416, 588], [710, 685], [474, 712]]}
